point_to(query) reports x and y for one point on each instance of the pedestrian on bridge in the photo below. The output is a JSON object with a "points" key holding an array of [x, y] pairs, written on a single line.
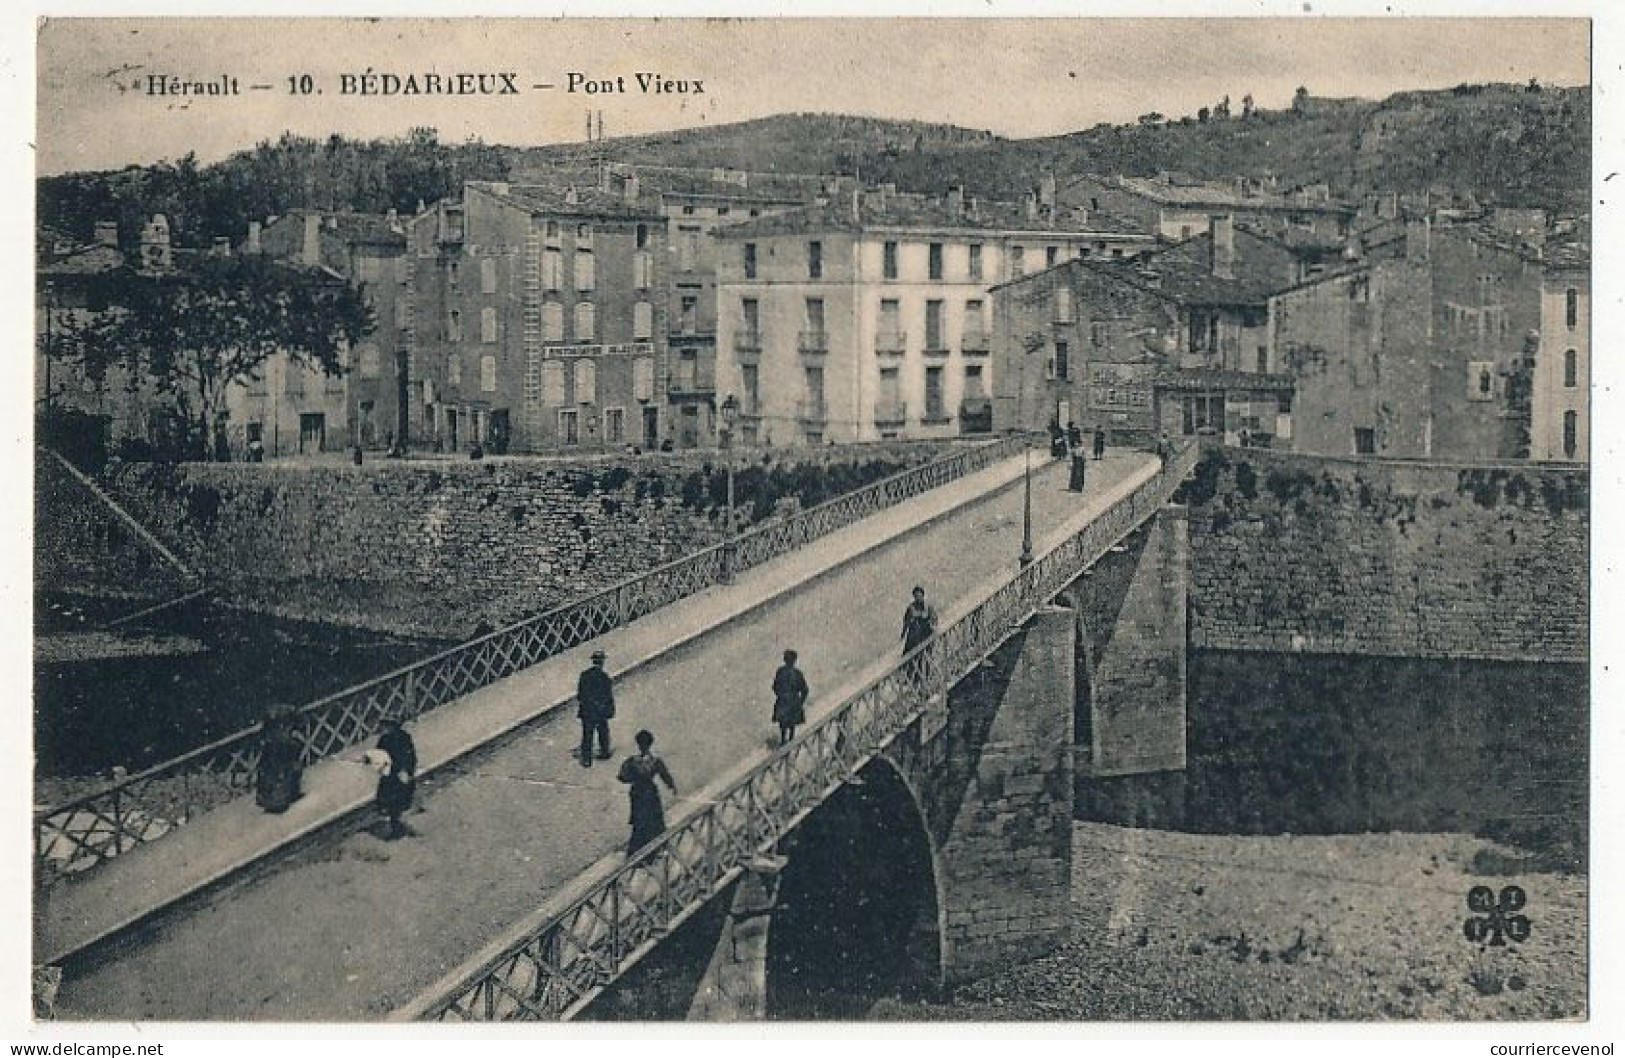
{"points": [[1100, 443], [919, 624], [789, 698], [398, 775], [648, 815], [595, 706]]}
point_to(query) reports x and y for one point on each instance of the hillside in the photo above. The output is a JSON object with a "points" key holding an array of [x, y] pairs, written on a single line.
{"points": [[1504, 143]]}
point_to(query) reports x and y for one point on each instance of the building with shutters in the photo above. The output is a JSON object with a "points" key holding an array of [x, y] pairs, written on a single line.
{"points": [[867, 317], [1560, 427], [538, 322]]}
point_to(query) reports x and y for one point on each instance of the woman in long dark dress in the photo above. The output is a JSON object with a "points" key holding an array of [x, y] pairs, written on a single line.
{"points": [[399, 778], [276, 779], [789, 698], [648, 816]]}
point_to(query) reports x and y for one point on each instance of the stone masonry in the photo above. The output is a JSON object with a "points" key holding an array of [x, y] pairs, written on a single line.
{"points": [[435, 547], [1298, 553]]}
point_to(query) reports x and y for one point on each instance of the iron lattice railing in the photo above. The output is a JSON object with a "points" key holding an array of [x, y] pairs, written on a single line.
{"points": [[554, 970], [89, 830]]}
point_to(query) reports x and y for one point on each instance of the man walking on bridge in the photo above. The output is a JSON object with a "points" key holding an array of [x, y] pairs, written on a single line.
{"points": [[595, 705]]}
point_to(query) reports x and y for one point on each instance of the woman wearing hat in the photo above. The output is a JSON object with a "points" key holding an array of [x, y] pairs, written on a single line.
{"points": [[648, 817]]}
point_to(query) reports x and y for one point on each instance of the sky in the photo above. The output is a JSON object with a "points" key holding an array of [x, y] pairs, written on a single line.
{"points": [[1016, 77]]}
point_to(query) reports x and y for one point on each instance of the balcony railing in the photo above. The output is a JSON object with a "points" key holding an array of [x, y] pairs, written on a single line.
{"points": [[893, 342], [748, 341], [936, 344], [975, 341], [936, 413], [812, 409], [813, 342], [889, 412]]}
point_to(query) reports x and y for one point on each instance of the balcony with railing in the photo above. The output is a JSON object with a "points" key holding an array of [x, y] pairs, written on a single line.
{"points": [[891, 342], [975, 340], [747, 341], [891, 412], [812, 409], [935, 414], [936, 344], [813, 343]]}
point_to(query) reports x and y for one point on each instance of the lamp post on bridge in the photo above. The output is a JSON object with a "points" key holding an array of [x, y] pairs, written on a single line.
{"points": [[730, 547], [1027, 469]]}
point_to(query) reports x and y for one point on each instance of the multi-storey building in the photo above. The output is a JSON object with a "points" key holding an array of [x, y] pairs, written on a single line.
{"points": [[1560, 425], [867, 317], [538, 320], [290, 407], [1176, 340]]}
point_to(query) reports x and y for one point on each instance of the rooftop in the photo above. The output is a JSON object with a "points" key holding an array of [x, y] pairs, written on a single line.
{"points": [[361, 229], [1172, 191], [889, 211], [566, 200], [1208, 378]]}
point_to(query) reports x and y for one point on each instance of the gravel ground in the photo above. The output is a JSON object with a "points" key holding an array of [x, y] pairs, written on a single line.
{"points": [[1170, 926]]}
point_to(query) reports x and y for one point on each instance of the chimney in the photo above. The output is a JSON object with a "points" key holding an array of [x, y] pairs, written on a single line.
{"points": [[1418, 239], [392, 220], [956, 201], [253, 243], [570, 196], [1030, 205], [970, 207], [107, 233], [220, 246], [857, 203], [1046, 192], [1222, 231], [630, 189], [310, 252]]}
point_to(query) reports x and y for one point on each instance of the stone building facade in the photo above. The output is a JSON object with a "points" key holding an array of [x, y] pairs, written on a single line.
{"points": [[537, 320], [1560, 426], [868, 318]]}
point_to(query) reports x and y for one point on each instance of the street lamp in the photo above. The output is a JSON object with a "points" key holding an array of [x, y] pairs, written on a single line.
{"points": [[730, 415], [1027, 469]]}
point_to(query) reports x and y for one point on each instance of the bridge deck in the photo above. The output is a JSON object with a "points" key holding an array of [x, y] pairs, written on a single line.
{"points": [[353, 928]]}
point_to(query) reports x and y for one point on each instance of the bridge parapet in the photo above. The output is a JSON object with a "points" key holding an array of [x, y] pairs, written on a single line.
{"points": [[553, 966]]}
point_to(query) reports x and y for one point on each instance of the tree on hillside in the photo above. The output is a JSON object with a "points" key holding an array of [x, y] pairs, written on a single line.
{"points": [[1247, 107], [1300, 100], [1202, 115], [195, 334], [1153, 118]]}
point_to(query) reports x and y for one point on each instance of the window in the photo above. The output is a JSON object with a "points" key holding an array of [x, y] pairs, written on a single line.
{"points": [[569, 426], [586, 380], [1018, 261], [550, 232], [585, 273], [815, 260], [369, 361], [888, 261], [750, 311], [689, 313], [1480, 380], [934, 338], [749, 379], [1263, 360], [552, 322], [933, 393], [552, 382], [975, 260], [488, 374], [583, 236], [454, 369], [1063, 304], [586, 322], [973, 314], [933, 257], [1203, 412], [1360, 289], [643, 320], [454, 326], [552, 269], [973, 383], [643, 379], [688, 247], [1571, 368], [642, 270], [643, 236], [488, 275], [1365, 441], [815, 315], [615, 426], [1099, 333], [723, 211], [891, 320], [488, 325], [688, 211], [1050, 253], [1571, 433], [1062, 366], [750, 260], [1571, 307]]}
